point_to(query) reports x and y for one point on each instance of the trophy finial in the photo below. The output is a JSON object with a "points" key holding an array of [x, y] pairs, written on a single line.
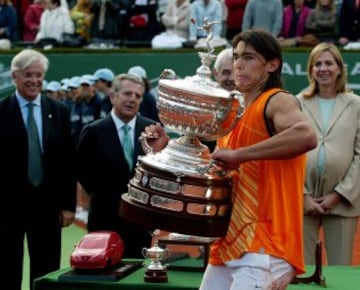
{"points": [[207, 27]]}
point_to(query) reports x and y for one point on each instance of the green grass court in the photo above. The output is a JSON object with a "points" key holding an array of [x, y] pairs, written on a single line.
{"points": [[71, 235]]}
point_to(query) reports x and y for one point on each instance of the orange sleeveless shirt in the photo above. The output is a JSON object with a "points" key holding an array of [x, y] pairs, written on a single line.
{"points": [[267, 197]]}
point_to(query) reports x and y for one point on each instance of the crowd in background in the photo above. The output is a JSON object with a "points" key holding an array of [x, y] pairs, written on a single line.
{"points": [[168, 23]]}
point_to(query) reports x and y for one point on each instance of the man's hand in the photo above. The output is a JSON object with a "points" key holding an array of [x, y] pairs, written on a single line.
{"points": [[154, 138], [66, 218]]}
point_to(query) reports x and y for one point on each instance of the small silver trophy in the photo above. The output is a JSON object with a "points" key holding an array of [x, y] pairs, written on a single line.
{"points": [[156, 271]]}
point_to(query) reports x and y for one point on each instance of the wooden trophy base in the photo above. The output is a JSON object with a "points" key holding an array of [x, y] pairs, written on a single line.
{"points": [[155, 276]]}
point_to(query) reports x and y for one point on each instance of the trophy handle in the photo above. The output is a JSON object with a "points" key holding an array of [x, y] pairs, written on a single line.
{"points": [[144, 252], [145, 145], [237, 95], [212, 167]]}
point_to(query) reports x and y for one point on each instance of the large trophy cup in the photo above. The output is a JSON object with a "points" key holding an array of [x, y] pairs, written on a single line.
{"points": [[180, 189]]}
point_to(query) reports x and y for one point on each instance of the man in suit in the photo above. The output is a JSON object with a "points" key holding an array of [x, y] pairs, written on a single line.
{"points": [[103, 168], [38, 183]]}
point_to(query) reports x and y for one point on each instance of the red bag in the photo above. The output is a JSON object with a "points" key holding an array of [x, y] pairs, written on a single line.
{"points": [[139, 21]]}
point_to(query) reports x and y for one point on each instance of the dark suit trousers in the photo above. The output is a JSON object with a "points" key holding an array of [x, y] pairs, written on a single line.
{"points": [[33, 219]]}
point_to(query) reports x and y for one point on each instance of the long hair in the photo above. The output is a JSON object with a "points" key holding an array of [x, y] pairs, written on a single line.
{"points": [[340, 83], [266, 45]]}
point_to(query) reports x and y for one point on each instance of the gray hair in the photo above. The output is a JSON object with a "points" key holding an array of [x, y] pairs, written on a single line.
{"points": [[224, 54], [27, 57], [117, 83]]}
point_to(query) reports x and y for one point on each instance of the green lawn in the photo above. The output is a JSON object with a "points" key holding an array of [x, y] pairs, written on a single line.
{"points": [[71, 235]]}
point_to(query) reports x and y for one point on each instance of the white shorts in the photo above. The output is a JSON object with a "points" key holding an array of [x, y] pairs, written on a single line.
{"points": [[252, 271]]}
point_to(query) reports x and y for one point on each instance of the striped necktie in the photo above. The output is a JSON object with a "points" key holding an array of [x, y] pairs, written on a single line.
{"points": [[127, 145], [35, 170]]}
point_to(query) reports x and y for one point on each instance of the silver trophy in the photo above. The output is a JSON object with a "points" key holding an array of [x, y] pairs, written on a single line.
{"points": [[180, 189], [156, 271]]}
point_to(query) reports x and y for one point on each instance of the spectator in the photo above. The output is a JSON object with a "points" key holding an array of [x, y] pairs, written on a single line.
{"points": [[148, 107], [222, 70], [201, 9], [144, 24], [101, 146], [63, 94], [90, 101], [52, 89], [294, 19], [54, 21], [176, 22], [89, 111], [266, 14], [106, 19], [8, 20], [36, 174], [263, 245], [82, 18], [21, 7], [332, 186], [32, 19], [103, 81], [349, 21], [75, 106], [162, 5], [176, 17], [321, 22], [235, 14]]}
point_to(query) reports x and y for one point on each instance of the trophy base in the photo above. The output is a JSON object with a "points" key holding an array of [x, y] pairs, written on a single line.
{"points": [[149, 216], [155, 276]]}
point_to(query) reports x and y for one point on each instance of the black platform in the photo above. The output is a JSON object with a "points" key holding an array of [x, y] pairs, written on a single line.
{"points": [[112, 274]]}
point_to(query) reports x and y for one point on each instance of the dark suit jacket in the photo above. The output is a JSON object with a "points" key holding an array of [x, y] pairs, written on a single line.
{"points": [[58, 190], [25, 209], [104, 174]]}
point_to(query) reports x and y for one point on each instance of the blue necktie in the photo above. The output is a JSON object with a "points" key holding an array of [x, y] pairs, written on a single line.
{"points": [[127, 145], [35, 170]]}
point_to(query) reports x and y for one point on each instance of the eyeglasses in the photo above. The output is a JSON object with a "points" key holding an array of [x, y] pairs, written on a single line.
{"points": [[30, 75]]}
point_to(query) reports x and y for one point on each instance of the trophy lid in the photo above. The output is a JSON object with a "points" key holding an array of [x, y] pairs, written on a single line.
{"points": [[192, 85], [201, 83]]}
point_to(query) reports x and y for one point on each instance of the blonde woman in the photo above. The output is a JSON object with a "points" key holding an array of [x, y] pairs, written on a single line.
{"points": [[332, 185]]}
